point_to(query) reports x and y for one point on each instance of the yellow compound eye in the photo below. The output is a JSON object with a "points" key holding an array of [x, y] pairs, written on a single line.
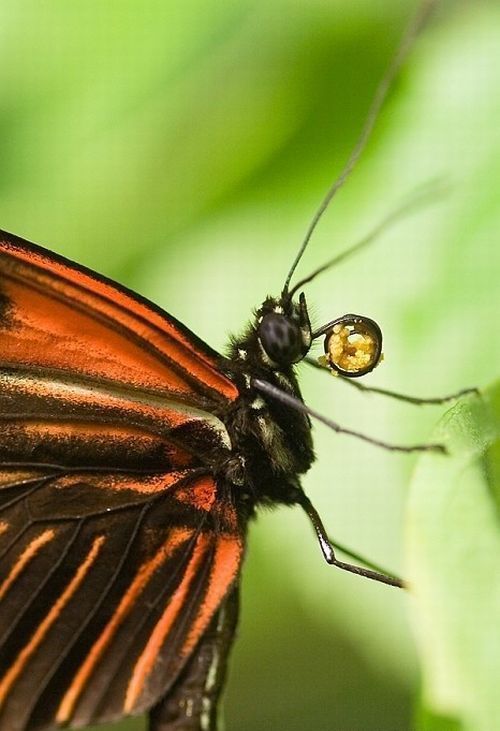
{"points": [[353, 345]]}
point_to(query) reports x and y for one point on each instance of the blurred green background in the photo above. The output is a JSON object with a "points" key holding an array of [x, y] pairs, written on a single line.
{"points": [[181, 148]]}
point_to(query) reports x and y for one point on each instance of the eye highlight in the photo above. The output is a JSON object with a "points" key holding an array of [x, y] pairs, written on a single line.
{"points": [[281, 338]]}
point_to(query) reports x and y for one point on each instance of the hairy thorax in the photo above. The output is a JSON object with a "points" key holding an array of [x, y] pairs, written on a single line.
{"points": [[273, 441]]}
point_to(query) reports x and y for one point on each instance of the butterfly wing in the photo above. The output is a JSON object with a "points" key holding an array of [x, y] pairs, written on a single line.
{"points": [[117, 545], [56, 314], [193, 702]]}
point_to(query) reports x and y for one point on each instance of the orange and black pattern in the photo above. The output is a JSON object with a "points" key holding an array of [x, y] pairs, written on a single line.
{"points": [[118, 546]]}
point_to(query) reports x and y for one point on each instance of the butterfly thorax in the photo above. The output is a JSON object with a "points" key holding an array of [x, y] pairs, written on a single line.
{"points": [[273, 439]]}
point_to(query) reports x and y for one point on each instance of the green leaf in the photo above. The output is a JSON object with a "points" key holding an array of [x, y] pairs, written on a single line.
{"points": [[453, 543]]}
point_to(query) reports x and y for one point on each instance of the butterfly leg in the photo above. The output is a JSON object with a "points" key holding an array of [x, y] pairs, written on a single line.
{"points": [[413, 399], [192, 704], [327, 548], [394, 394], [295, 403]]}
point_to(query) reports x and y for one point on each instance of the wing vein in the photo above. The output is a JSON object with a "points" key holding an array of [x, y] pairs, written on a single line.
{"points": [[32, 597], [19, 664], [76, 636]]}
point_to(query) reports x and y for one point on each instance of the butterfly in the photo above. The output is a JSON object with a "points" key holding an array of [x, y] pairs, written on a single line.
{"points": [[132, 458]]}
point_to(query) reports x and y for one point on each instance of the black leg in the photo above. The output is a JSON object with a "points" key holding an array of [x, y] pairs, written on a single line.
{"points": [[295, 403], [393, 394], [328, 551], [413, 399]]}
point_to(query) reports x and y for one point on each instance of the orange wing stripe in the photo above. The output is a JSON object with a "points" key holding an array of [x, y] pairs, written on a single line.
{"points": [[4, 526], [112, 297], [70, 284], [78, 340], [39, 635], [224, 570], [146, 660], [146, 485], [199, 494], [27, 555], [176, 538]]}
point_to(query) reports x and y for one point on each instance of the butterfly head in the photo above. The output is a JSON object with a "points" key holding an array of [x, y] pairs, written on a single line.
{"points": [[353, 343], [284, 331]]}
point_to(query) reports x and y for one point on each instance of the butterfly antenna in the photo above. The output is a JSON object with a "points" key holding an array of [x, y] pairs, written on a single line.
{"points": [[427, 193], [413, 30]]}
